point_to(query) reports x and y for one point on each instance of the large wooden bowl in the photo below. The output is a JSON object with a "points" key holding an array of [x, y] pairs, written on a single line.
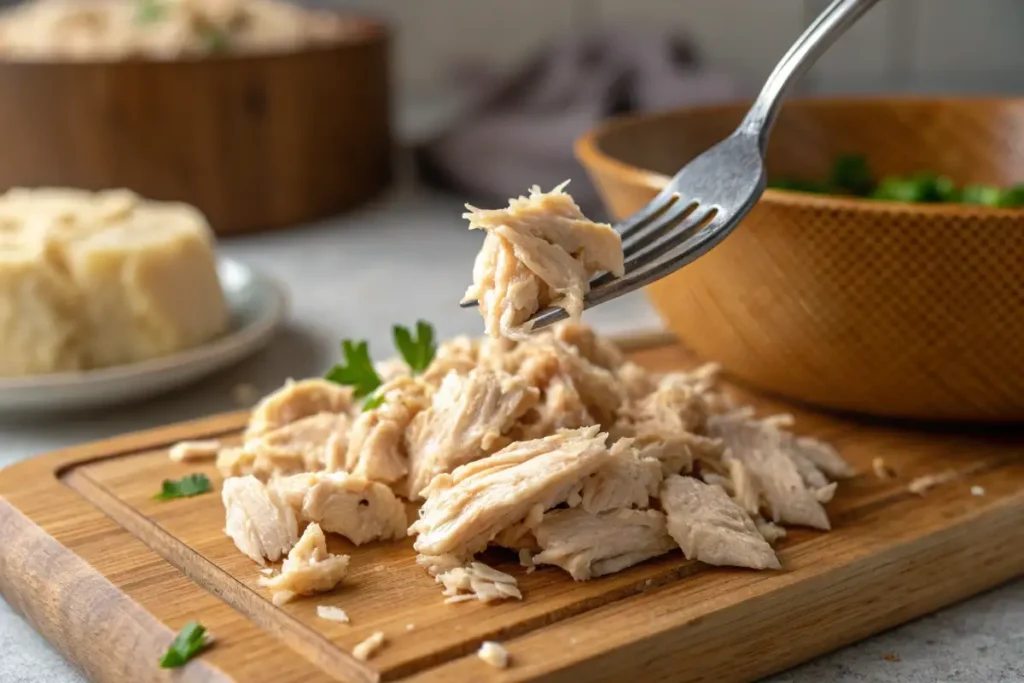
{"points": [[255, 142], [884, 308]]}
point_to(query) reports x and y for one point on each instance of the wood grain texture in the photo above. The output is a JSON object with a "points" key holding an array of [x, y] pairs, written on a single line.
{"points": [[882, 308], [255, 142], [155, 565]]}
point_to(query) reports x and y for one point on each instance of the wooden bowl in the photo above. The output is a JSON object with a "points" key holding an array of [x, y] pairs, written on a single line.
{"points": [[904, 310], [255, 142]]}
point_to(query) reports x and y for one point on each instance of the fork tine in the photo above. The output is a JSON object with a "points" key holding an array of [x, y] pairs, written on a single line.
{"points": [[688, 250], [654, 243], [547, 317], [661, 203], [665, 221], [672, 226], [657, 206], [693, 221]]}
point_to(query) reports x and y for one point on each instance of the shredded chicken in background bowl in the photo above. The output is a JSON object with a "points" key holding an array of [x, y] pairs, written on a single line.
{"points": [[88, 30]]}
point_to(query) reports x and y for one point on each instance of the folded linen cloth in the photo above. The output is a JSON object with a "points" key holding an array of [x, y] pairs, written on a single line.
{"points": [[520, 126]]}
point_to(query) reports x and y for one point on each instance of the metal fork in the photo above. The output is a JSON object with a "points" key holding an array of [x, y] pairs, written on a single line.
{"points": [[706, 200]]}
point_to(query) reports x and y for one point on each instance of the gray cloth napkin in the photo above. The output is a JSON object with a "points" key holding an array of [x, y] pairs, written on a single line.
{"points": [[520, 126]]}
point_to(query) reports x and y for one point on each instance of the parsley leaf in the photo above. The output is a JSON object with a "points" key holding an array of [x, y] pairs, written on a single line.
{"points": [[358, 371], [417, 351], [187, 644], [373, 402], [186, 487], [149, 11], [214, 40]]}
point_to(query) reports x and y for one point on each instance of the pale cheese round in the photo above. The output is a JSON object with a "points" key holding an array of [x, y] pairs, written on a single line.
{"points": [[90, 280]]}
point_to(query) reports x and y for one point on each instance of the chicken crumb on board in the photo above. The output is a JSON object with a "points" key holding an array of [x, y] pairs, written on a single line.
{"points": [[921, 485], [369, 647], [493, 654], [190, 451], [977, 490], [477, 581], [552, 445], [881, 469], [332, 613], [309, 568]]}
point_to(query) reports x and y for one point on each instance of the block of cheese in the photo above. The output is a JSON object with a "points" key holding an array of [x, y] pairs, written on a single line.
{"points": [[93, 280], [39, 322]]}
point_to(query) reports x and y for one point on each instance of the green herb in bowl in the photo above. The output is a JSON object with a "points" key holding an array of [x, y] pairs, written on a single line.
{"points": [[851, 176]]}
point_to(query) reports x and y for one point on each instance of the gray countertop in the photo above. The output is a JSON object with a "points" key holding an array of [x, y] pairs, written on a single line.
{"points": [[408, 256]]}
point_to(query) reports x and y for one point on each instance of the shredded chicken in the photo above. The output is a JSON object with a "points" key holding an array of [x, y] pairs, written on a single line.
{"points": [[554, 447], [332, 613], [921, 485], [468, 508], [477, 581], [628, 480], [235, 461], [296, 400], [711, 528], [540, 251], [773, 533], [369, 647], [299, 446], [341, 503], [772, 469], [189, 451], [881, 469], [588, 545], [308, 569], [467, 420], [493, 654], [261, 524], [378, 440]]}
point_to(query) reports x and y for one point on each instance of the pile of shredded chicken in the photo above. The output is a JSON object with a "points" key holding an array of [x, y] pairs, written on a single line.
{"points": [[555, 447]]}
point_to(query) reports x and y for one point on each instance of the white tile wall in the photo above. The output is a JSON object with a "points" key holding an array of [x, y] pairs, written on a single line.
{"points": [[954, 45]]}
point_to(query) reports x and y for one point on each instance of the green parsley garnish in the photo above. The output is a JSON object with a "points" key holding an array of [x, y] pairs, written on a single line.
{"points": [[357, 371], [187, 644], [214, 40], [373, 402], [417, 351], [149, 11], [851, 176], [186, 487]]}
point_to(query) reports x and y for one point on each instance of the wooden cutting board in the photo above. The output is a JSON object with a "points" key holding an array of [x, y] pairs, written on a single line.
{"points": [[108, 575]]}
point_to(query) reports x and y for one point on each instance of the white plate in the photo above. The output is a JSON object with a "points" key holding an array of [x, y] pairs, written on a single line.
{"points": [[256, 305]]}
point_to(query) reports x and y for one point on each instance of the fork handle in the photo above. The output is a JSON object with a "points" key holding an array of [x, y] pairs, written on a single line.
{"points": [[818, 37]]}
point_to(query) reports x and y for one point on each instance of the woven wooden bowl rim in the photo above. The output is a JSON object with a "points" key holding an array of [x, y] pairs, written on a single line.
{"points": [[588, 149]]}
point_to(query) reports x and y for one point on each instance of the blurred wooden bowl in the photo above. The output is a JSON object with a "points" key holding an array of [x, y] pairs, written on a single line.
{"points": [[891, 309], [254, 141]]}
